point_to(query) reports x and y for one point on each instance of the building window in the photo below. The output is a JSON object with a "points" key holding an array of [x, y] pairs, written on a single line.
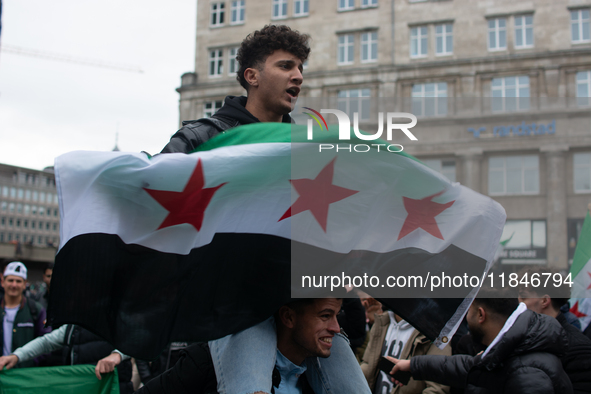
{"points": [[444, 39], [346, 5], [369, 3], [524, 31], [446, 168], [27, 194], [211, 107], [3, 205], [20, 194], [13, 192], [583, 87], [346, 49], [582, 172], [4, 191], [279, 9], [216, 63], [429, 99], [354, 101], [418, 41], [11, 207], [369, 47], [19, 208], [497, 34], [300, 7], [513, 175], [217, 14], [510, 93], [579, 25], [237, 12], [232, 63]]}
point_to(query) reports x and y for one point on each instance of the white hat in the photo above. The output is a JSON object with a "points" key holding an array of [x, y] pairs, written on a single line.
{"points": [[16, 268]]}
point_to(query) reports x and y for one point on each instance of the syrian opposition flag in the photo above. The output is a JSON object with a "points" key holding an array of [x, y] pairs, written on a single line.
{"points": [[581, 276], [193, 247]]}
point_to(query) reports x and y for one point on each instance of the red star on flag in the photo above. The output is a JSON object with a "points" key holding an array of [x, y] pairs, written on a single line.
{"points": [[421, 214], [575, 310], [189, 205], [316, 195]]}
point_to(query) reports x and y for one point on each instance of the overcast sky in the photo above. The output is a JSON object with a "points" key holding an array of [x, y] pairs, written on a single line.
{"points": [[48, 108]]}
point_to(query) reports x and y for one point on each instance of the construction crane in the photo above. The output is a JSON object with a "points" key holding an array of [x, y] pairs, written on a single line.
{"points": [[15, 50]]}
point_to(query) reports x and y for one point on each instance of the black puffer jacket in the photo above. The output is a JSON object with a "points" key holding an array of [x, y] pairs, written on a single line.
{"points": [[525, 361], [577, 358], [84, 347], [196, 132]]}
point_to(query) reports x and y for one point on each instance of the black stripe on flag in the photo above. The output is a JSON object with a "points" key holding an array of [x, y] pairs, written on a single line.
{"points": [[140, 299]]}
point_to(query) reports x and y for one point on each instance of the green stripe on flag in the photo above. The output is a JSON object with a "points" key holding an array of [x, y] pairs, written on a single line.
{"points": [[70, 379], [583, 250], [257, 133]]}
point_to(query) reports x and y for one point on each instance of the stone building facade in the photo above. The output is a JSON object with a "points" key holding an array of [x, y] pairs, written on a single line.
{"points": [[29, 210], [500, 88], [29, 218]]}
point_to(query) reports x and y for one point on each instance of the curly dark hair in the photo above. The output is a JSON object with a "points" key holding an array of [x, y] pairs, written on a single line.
{"points": [[257, 46]]}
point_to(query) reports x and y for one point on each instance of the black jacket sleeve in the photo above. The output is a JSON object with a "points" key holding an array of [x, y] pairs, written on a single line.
{"points": [[446, 370], [193, 134], [192, 374]]}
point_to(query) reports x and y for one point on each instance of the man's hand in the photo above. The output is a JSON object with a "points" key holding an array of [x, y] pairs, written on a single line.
{"points": [[372, 306], [400, 365], [8, 361], [107, 364]]}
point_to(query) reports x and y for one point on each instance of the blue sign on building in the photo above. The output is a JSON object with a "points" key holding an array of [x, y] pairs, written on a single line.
{"points": [[517, 130]]}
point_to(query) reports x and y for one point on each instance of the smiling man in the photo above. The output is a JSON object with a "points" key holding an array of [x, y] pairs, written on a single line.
{"points": [[22, 319], [305, 331]]}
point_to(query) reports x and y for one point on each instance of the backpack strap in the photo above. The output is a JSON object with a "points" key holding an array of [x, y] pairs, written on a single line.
{"points": [[33, 309]]}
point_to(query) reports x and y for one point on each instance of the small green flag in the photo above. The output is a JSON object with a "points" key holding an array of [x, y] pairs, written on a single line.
{"points": [[581, 275], [70, 379]]}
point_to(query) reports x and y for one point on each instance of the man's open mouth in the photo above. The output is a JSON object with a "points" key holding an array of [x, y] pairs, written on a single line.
{"points": [[293, 92], [326, 339]]}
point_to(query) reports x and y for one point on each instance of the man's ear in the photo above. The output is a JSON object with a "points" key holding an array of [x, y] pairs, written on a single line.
{"points": [[251, 75], [287, 316], [546, 301], [481, 315]]}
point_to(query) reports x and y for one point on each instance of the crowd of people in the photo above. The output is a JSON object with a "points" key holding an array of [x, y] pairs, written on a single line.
{"points": [[522, 344], [515, 344]]}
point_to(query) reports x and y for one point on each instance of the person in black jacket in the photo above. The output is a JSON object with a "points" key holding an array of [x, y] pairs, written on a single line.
{"points": [[577, 354], [522, 354], [271, 65]]}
